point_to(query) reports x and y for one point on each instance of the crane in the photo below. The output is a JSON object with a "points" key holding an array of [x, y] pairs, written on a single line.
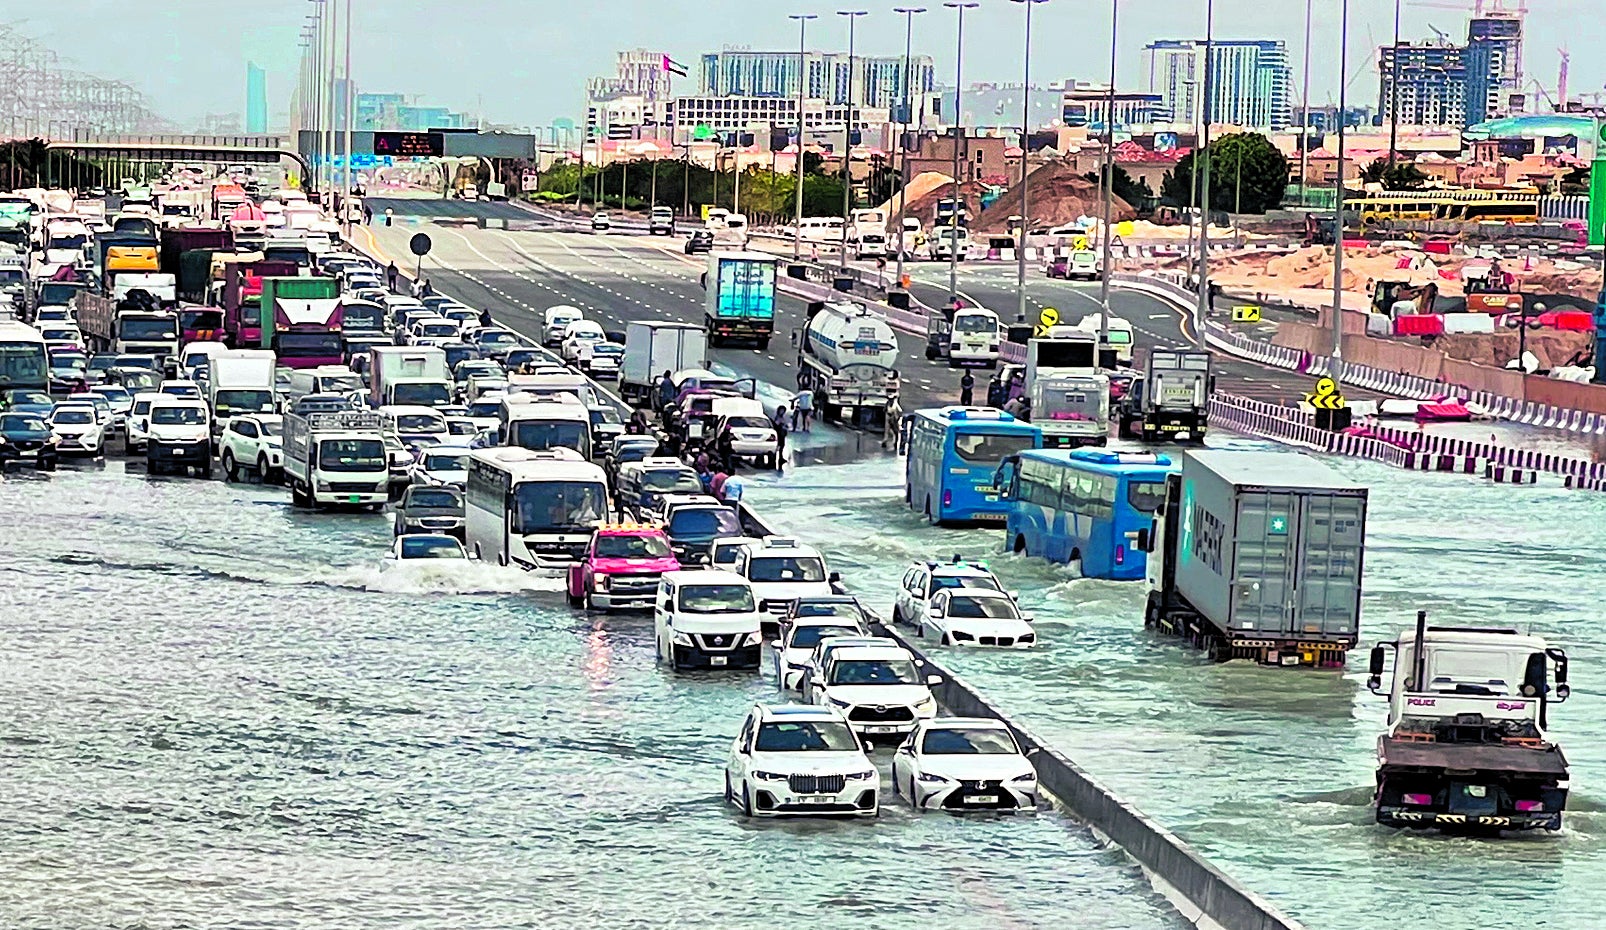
{"points": [[1479, 7], [1561, 80]]}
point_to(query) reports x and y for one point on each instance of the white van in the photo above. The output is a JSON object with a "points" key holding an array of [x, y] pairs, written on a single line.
{"points": [[781, 570], [325, 379], [1120, 338], [706, 620]]}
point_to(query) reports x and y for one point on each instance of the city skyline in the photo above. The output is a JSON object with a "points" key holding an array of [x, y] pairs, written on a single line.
{"points": [[189, 61]]}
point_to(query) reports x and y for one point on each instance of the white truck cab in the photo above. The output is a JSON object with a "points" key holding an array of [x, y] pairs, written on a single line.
{"points": [[781, 569], [706, 619]]}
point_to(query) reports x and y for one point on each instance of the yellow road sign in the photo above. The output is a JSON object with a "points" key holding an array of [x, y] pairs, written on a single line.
{"points": [[1046, 320], [1246, 314], [1326, 396]]}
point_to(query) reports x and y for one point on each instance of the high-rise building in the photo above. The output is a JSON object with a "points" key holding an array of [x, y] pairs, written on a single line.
{"points": [[392, 113], [878, 81], [1251, 81], [1085, 105], [256, 98], [634, 99], [1434, 84], [1494, 66]]}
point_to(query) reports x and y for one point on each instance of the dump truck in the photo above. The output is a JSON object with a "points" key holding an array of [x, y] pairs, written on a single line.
{"points": [[1468, 748], [1257, 555], [1170, 400]]}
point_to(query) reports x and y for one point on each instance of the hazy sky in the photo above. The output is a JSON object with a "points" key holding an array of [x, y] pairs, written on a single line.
{"points": [[526, 61]]}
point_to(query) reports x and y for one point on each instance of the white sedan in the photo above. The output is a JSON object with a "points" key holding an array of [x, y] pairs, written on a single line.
{"points": [[442, 465], [796, 645], [80, 430], [792, 759], [964, 763], [424, 547], [977, 617]]}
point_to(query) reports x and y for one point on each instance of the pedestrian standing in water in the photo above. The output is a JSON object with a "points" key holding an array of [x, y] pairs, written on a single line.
{"points": [[889, 437], [780, 436], [805, 409]]}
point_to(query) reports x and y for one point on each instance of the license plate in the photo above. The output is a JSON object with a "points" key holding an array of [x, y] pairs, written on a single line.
{"points": [[716, 660], [982, 799], [1290, 660], [818, 799], [353, 498], [880, 729]]}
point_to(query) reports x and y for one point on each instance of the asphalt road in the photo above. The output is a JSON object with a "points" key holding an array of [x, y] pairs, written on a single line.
{"points": [[433, 208]]}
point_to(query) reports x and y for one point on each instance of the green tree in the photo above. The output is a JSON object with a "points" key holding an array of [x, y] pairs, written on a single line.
{"points": [[1403, 176], [1247, 175], [1137, 193]]}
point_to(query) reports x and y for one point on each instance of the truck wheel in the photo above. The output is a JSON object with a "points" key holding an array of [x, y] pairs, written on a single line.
{"points": [[931, 354], [264, 473], [577, 600], [1020, 545], [298, 498], [764, 344], [231, 468], [1151, 611]]}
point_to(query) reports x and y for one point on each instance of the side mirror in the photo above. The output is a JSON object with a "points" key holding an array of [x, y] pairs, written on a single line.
{"points": [[776, 645], [1375, 666], [933, 681], [934, 613], [1029, 619], [1144, 540], [835, 578]]}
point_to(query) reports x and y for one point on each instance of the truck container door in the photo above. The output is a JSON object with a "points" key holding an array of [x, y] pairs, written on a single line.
{"points": [[1264, 562], [1328, 573]]}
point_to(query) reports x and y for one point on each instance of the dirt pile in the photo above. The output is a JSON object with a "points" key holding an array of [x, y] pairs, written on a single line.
{"points": [[1553, 348], [1058, 196]]}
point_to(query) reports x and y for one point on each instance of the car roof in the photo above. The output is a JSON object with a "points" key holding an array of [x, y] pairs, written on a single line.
{"points": [[704, 576], [838, 642], [770, 713], [967, 723], [975, 592], [888, 650]]}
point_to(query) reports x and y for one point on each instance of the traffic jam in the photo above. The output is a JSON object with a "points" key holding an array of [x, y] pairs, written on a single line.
{"points": [[192, 337]]}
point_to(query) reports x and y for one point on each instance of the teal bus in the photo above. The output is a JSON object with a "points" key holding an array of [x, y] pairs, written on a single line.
{"points": [[1083, 505], [953, 455]]}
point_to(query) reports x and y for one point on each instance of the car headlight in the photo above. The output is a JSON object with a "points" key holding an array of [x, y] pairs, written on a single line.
{"points": [[933, 779], [929, 705], [323, 485], [600, 582], [962, 637], [842, 704], [1028, 777], [682, 639], [768, 776], [753, 639], [860, 776]]}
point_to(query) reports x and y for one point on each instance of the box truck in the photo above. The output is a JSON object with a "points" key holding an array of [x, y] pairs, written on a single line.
{"points": [[1257, 555], [653, 347]]}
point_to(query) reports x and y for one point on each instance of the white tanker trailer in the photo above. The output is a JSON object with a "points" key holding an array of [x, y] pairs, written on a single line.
{"points": [[849, 359]]}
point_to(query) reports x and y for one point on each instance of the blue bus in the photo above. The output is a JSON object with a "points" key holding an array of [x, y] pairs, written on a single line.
{"points": [[24, 363], [1083, 505], [953, 454]]}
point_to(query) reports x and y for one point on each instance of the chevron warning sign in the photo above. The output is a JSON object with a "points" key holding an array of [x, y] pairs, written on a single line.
{"points": [[1326, 396]]}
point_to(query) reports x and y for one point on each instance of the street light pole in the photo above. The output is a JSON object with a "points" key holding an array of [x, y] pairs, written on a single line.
{"points": [[1203, 308], [1394, 88], [1337, 372], [802, 87], [1025, 169], [1109, 183], [959, 133], [909, 13], [349, 113], [847, 136], [1304, 119]]}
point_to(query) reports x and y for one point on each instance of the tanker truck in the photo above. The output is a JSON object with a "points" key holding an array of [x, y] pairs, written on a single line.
{"points": [[849, 359], [1468, 748]]}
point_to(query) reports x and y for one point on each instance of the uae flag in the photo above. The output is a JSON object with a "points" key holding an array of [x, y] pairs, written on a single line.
{"points": [[674, 67]]}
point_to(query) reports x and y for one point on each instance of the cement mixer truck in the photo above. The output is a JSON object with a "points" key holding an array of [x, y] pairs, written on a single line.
{"points": [[849, 359]]}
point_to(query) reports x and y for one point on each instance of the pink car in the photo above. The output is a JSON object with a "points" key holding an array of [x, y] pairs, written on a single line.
{"points": [[620, 568]]}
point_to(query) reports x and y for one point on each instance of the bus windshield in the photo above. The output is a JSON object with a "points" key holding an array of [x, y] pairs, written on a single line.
{"points": [[543, 506], [990, 448], [22, 364], [539, 435]]}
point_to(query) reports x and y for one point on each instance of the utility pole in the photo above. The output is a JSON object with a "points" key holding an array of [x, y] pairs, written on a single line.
{"points": [[959, 134], [1203, 308], [1304, 119], [847, 137], [1394, 90], [802, 86], [909, 14], [1109, 184], [1025, 167], [1337, 372]]}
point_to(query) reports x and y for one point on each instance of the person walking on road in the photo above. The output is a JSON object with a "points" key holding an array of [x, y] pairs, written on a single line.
{"points": [[889, 438], [392, 276], [666, 390], [780, 435], [485, 317], [803, 411], [967, 389]]}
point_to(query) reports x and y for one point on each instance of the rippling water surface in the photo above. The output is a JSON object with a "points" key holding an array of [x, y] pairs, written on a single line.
{"points": [[1270, 771], [218, 713]]}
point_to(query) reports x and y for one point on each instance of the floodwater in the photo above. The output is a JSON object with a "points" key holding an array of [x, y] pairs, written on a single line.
{"points": [[1269, 771], [220, 713]]}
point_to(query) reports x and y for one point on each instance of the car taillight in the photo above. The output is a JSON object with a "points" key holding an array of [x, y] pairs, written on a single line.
{"points": [[1528, 807], [1421, 800], [1120, 554], [947, 498]]}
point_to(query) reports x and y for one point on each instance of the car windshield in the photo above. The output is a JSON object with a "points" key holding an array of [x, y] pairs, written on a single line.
{"points": [[807, 637], [969, 742], [230, 403], [16, 422], [446, 461], [273, 429], [543, 506], [352, 455], [847, 609], [443, 498], [420, 394], [28, 397], [1145, 496], [716, 598], [602, 415], [632, 547], [786, 568], [112, 393], [990, 448], [982, 608], [518, 357], [704, 523], [873, 672], [975, 324], [485, 409], [137, 361], [940, 582], [420, 423], [430, 547], [805, 736], [549, 434], [73, 416], [188, 416], [140, 379], [671, 479], [362, 317], [497, 338], [181, 390], [148, 328]]}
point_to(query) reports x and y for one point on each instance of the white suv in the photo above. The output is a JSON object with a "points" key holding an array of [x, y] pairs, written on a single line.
{"points": [[792, 759], [180, 436], [881, 690], [139, 421], [254, 441], [782, 570], [924, 579]]}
